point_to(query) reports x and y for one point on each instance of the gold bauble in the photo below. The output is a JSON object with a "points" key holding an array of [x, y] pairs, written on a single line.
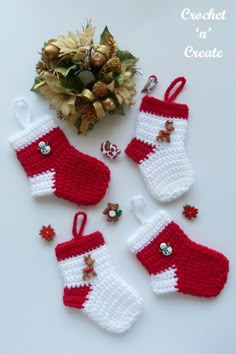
{"points": [[98, 59], [51, 51], [100, 89], [109, 104], [100, 56]]}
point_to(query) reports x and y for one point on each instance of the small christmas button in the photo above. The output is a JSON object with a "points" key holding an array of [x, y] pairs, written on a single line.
{"points": [[44, 148], [47, 232], [165, 249], [110, 150], [112, 212], [190, 211]]}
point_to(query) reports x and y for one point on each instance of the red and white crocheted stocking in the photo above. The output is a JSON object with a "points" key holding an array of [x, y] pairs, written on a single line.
{"points": [[174, 262], [53, 165], [92, 284], [158, 147]]}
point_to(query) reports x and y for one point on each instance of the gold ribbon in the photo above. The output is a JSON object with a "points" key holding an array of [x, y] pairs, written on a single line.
{"points": [[99, 109], [88, 95]]}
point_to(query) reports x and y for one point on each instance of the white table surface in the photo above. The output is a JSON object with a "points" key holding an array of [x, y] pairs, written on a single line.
{"points": [[33, 319]]}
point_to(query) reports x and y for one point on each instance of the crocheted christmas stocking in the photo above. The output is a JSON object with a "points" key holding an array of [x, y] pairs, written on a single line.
{"points": [[92, 284], [53, 165], [174, 262], [158, 147]]}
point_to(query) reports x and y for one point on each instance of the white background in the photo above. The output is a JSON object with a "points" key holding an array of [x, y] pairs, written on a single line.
{"points": [[33, 319]]}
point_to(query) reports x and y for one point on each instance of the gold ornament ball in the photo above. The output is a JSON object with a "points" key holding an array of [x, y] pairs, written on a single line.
{"points": [[51, 51], [109, 104], [98, 59]]}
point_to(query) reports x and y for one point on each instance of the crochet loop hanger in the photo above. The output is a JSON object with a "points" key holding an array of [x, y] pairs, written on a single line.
{"points": [[177, 90], [22, 112], [139, 206], [82, 224]]}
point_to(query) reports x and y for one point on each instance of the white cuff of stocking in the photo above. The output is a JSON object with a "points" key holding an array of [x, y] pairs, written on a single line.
{"points": [[33, 132], [148, 231]]}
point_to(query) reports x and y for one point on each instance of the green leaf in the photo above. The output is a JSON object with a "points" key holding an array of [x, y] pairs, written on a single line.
{"points": [[38, 81], [65, 71], [105, 34], [125, 55], [71, 84], [120, 79]]}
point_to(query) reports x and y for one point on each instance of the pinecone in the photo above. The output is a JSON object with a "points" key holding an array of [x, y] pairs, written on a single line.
{"points": [[113, 65], [99, 89], [112, 46], [89, 115], [40, 67]]}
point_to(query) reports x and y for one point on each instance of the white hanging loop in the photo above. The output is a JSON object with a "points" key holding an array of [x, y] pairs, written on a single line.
{"points": [[22, 112], [138, 205]]}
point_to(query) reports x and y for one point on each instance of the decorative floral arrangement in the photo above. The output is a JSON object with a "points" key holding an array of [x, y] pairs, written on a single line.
{"points": [[84, 81]]}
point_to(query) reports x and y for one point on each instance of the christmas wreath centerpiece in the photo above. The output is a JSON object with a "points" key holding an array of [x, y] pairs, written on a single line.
{"points": [[84, 81]]}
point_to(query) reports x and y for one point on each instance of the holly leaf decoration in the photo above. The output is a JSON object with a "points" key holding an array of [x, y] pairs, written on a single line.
{"points": [[125, 55], [105, 35], [37, 83], [119, 79], [71, 84], [65, 71]]}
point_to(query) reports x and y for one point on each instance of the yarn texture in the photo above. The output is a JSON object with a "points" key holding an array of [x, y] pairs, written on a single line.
{"points": [[174, 262], [160, 153], [53, 166], [92, 284]]}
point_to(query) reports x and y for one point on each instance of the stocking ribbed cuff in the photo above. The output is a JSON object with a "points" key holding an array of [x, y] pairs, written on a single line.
{"points": [[164, 108], [79, 245], [33, 132], [148, 231]]}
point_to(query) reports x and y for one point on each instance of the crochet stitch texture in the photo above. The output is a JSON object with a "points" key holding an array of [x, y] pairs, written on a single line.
{"points": [[190, 268], [106, 298], [64, 171], [164, 165]]}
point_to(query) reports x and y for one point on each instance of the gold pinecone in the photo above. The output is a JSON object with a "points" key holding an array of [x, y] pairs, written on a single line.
{"points": [[113, 65], [89, 115], [99, 89], [40, 67], [112, 46]]}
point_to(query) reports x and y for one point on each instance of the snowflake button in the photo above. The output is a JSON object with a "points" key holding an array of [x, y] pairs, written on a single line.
{"points": [[44, 148], [165, 249]]}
